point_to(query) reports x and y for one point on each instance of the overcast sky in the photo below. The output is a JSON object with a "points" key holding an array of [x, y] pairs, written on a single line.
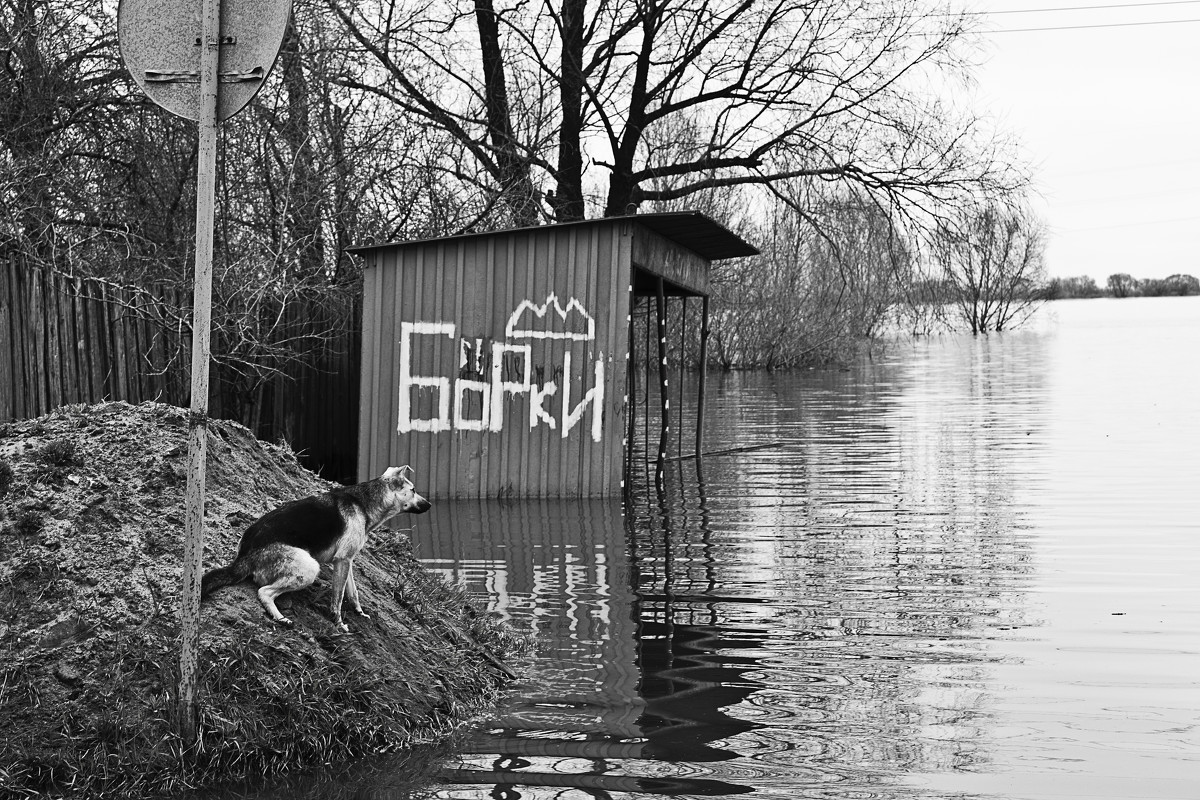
{"points": [[1110, 118]]}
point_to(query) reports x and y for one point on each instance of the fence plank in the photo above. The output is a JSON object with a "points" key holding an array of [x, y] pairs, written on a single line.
{"points": [[21, 343], [50, 317], [37, 319], [137, 360], [87, 364], [98, 351], [68, 338], [116, 327], [8, 372], [74, 345], [150, 354]]}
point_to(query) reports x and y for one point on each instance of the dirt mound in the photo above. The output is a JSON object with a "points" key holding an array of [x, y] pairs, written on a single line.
{"points": [[91, 540]]}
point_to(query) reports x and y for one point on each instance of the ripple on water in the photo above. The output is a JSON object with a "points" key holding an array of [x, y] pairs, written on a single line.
{"points": [[963, 569]]}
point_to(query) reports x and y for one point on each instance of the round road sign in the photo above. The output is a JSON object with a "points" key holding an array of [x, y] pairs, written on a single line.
{"points": [[160, 42]]}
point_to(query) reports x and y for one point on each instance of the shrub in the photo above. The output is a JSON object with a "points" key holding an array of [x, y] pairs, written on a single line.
{"points": [[27, 522]]}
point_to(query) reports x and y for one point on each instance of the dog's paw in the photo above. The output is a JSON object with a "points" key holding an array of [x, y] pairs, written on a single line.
{"points": [[285, 622], [362, 613], [342, 626]]}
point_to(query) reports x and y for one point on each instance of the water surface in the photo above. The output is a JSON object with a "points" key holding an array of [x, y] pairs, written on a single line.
{"points": [[967, 568]]}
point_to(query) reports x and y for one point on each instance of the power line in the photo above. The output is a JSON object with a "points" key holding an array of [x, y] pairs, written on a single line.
{"points": [[1080, 8], [1126, 198], [1059, 9], [1097, 25], [1126, 225], [1174, 162]]}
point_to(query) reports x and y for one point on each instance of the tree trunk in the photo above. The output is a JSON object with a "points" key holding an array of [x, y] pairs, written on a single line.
{"points": [[624, 194], [304, 195], [568, 204], [513, 170]]}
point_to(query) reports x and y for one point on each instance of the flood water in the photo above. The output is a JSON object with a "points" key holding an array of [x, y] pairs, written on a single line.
{"points": [[967, 568]]}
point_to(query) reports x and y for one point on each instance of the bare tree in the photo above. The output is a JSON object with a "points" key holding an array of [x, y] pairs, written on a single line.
{"points": [[1122, 284], [602, 107], [822, 289], [60, 83], [992, 258], [432, 118]]}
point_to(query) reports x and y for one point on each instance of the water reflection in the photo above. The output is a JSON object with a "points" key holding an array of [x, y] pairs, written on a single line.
{"points": [[592, 719], [392, 776], [897, 581], [813, 612]]}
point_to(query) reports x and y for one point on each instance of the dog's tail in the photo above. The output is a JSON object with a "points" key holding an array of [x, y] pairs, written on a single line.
{"points": [[221, 577]]}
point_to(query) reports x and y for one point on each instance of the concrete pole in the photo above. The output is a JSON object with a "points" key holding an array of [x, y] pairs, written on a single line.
{"points": [[193, 550]]}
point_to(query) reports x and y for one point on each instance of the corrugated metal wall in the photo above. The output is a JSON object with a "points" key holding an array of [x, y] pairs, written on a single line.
{"points": [[495, 365]]}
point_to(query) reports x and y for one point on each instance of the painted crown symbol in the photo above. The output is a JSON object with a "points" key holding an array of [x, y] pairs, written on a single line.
{"points": [[532, 320]]}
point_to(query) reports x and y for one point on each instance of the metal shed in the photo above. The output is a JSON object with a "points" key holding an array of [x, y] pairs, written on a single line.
{"points": [[496, 363]]}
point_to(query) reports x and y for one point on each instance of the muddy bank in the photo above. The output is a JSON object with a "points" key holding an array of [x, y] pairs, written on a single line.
{"points": [[91, 540]]}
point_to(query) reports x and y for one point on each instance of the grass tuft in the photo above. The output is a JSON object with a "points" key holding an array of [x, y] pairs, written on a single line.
{"points": [[58, 453], [54, 460], [27, 522], [6, 477]]}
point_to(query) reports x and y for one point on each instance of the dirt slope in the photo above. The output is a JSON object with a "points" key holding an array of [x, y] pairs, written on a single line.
{"points": [[91, 530]]}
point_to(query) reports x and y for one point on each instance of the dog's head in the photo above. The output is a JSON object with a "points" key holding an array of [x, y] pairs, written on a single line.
{"points": [[401, 492]]}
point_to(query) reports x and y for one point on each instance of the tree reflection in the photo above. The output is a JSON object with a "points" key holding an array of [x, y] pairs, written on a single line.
{"points": [[813, 611]]}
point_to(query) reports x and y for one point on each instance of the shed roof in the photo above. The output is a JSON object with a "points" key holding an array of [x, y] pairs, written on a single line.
{"points": [[699, 233], [693, 230]]}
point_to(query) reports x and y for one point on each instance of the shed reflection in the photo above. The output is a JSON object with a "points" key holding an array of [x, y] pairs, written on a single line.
{"points": [[624, 679]]}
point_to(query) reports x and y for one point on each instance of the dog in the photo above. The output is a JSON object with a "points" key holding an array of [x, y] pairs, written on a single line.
{"points": [[283, 550]]}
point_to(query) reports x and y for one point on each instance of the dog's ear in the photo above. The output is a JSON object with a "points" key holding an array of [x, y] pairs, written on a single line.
{"points": [[404, 473]]}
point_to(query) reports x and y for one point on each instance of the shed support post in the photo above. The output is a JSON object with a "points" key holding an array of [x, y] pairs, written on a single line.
{"points": [[648, 345], [703, 377], [663, 395], [683, 320], [630, 398]]}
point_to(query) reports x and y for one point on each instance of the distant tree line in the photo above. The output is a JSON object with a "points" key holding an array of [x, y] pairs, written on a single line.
{"points": [[1122, 284]]}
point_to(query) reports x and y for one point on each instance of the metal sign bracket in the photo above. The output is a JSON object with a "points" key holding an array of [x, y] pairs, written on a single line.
{"points": [[193, 76]]}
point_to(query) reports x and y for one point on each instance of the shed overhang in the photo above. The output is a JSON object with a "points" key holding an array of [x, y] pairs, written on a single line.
{"points": [[697, 233]]}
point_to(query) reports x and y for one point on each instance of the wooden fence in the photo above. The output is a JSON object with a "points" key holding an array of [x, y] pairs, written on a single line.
{"points": [[71, 340]]}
